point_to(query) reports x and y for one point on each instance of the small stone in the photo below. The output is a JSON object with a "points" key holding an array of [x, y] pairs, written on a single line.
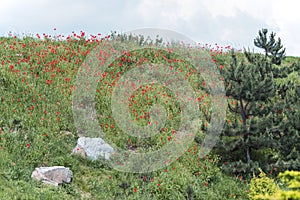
{"points": [[93, 148], [53, 175]]}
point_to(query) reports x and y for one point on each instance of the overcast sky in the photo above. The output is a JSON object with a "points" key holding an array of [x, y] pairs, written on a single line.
{"points": [[226, 22]]}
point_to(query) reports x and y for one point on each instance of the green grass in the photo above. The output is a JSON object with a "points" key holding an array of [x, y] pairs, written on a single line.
{"points": [[36, 95]]}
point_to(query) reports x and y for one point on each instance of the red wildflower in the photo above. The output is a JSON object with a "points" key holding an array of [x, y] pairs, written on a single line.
{"points": [[49, 82]]}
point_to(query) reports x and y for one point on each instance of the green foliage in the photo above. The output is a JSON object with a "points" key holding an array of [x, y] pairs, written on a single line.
{"points": [[249, 86], [273, 49], [288, 129], [291, 190], [286, 195], [262, 128], [291, 179], [36, 83], [262, 186]]}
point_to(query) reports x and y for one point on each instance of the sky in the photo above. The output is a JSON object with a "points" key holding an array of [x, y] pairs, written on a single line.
{"points": [[225, 22]]}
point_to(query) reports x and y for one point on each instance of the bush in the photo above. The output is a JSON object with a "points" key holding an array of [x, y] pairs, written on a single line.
{"points": [[261, 187], [292, 181], [265, 188]]}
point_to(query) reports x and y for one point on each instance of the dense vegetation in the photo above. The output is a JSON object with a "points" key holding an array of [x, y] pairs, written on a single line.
{"points": [[262, 130], [37, 83]]}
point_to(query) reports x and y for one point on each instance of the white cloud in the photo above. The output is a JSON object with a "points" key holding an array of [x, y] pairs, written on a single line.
{"points": [[227, 21], [233, 22], [287, 16], [167, 11]]}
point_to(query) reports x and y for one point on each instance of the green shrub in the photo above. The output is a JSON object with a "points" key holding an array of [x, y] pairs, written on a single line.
{"points": [[291, 178], [292, 181], [262, 186], [265, 188]]}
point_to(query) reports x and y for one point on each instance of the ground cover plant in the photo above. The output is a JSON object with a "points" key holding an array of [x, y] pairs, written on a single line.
{"points": [[37, 82]]}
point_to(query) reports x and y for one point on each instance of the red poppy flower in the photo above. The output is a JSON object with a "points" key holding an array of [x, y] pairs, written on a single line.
{"points": [[49, 82]]}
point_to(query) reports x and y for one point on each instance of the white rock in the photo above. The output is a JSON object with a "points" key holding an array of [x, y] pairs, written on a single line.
{"points": [[93, 148], [53, 175]]}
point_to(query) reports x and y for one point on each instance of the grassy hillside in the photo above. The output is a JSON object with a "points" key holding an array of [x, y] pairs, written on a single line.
{"points": [[36, 84]]}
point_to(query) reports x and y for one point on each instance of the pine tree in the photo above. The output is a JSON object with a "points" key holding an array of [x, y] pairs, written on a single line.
{"points": [[289, 134], [250, 87], [285, 105], [273, 49]]}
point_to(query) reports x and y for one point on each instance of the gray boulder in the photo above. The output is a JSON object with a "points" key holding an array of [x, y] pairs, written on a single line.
{"points": [[53, 175], [93, 148]]}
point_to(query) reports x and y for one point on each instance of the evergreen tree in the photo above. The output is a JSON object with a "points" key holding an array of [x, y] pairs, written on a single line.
{"points": [[273, 49], [285, 105], [250, 87], [289, 130]]}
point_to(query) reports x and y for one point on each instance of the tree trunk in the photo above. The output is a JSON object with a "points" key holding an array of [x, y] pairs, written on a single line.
{"points": [[244, 118], [248, 155]]}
